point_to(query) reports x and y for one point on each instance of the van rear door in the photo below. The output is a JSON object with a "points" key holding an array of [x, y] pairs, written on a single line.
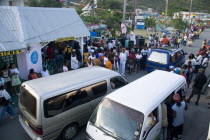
{"points": [[28, 105]]}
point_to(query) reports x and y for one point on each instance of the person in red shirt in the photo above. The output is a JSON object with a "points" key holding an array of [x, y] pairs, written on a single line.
{"points": [[165, 41]]}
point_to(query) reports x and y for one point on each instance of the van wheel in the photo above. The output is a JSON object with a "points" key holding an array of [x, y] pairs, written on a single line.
{"points": [[69, 132]]}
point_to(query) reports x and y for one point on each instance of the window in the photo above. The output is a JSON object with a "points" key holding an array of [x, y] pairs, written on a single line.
{"points": [[62, 103], [99, 89], [158, 57], [117, 82], [28, 101]]}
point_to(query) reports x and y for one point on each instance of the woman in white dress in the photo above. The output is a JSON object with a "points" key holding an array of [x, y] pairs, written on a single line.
{"points": [[14, 73]]}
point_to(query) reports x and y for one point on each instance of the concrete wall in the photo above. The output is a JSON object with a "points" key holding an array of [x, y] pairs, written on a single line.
{"points": [[19, 3], [25, 62]]}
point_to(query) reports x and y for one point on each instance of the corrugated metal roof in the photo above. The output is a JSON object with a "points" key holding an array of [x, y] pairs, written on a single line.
{"points": [[33, 25], [8, 42]]}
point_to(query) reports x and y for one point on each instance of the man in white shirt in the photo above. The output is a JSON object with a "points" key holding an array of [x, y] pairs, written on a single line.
{"points": [[74, 62], [199, 59], [45, 72], [178, 114], [123, 59], [105, 59], [185, 40], [5, 104]]}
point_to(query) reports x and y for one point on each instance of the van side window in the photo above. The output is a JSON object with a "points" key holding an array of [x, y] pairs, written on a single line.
{"points": [[99, 89], [117, 82]]}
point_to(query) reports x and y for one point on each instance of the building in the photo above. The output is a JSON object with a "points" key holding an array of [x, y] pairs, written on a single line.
{"points": [[194, 15], [33, 28], [19, 3]]}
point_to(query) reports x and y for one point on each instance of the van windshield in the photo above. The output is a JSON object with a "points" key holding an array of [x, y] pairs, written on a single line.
{"points": [[28, 102], [158, 57], [117, 120]]}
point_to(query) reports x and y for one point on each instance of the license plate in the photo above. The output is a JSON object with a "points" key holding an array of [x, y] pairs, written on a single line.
{"points": [[26, 122]]}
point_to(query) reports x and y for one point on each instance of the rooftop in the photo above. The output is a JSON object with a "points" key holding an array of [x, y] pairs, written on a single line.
{"points": [[69, 80]]}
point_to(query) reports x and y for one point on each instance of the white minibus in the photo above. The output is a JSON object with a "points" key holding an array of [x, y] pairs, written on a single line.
{"points": [[59, 104], [134, 112]]}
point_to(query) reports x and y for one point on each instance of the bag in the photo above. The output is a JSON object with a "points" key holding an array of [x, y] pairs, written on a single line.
{"points": [[3, 101]]}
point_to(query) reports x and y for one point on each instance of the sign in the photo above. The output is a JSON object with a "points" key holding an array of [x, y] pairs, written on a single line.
{"points": [[65, 39], [34, 57], [10, 53]]}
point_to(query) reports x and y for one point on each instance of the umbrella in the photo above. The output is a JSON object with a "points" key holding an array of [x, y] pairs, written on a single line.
{"points": [[166, 32]]}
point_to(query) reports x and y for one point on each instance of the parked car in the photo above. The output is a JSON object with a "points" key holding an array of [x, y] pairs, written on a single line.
{"points": [[56, 106], [162, 58], [126, 114]]}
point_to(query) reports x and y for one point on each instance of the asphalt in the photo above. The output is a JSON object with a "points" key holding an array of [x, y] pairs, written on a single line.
{"points": [[197, 118]]}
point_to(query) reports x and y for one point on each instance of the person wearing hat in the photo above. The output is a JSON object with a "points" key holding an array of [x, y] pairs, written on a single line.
{"points": [[199, 82], [178, 117]]}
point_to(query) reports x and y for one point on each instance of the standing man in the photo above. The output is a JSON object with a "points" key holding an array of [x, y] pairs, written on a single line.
{"points": [[185, 40], [178, 117], [199, 82], [123, 59], [67, 54], [133, 38]]}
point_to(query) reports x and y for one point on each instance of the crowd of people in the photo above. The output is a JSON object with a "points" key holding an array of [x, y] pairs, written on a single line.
{"points": [[112, 54]]}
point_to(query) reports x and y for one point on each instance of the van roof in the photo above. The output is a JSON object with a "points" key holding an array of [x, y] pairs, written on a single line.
{"points": [[145, 93], [64, 81]]}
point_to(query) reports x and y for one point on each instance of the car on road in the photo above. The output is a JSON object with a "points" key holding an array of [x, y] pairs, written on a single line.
{"points": [[56, 106], [134, 112], [162, 58]]}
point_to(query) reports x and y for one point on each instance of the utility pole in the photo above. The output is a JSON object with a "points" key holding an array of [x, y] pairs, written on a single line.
{"points": [[166, 10], [124, 10], [190, 11], [134, 14], [92, 8]]}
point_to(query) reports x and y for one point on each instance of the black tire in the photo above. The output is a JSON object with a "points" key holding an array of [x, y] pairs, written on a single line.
{"points": [[69, 132]]}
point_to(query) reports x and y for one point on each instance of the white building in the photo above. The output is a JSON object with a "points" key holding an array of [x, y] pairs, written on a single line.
{"points": [[186, 15], [19, 3]]}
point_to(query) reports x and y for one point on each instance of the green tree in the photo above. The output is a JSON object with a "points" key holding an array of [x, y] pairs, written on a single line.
{"points": [[150, 22], [44, 3], [179, 24]]}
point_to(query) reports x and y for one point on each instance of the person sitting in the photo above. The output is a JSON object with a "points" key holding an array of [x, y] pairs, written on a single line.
{"points": [[32, 75], [45, 72]]}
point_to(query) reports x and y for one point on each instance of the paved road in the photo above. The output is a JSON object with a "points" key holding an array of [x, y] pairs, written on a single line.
{"points": [[196, 117]]}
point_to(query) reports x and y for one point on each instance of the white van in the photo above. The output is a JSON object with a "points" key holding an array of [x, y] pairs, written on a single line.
{"points": [[125, 113], [59, 104]]}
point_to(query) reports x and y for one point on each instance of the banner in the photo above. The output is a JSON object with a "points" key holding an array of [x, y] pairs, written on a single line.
{"points": [[65, 39], [10, 53]]}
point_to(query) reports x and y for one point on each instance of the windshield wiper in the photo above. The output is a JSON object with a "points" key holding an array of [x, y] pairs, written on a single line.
{"points": [[109, 133]]}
